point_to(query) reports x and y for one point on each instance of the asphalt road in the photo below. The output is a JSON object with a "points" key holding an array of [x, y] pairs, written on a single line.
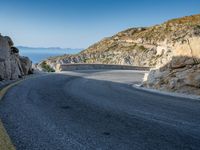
{"points": [[97, 111]]}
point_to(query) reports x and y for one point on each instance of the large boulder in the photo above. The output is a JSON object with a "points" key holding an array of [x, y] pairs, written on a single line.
{"points": [[12, 66], [5, 58], [16, 69], [9, 40], [181, 75], [26, 64]]}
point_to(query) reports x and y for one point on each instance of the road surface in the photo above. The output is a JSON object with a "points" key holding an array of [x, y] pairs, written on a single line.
{"points": [[97, 110]]}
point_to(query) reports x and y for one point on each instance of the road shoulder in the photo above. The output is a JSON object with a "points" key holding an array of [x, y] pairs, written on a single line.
{"points": [[179, 95], [5, 141]]}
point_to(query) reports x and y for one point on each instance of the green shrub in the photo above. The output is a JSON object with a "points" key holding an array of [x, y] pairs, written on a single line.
{"points": [[142, 48], [46, 67], [198, 26]]}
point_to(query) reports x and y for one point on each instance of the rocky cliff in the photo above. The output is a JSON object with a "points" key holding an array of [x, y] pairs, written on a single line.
{"points": [[172, 48], [151, 46], [181, 73], [12, 66]]}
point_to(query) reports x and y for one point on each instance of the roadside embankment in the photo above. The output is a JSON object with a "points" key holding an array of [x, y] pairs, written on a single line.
{"points": [[5, 141]]}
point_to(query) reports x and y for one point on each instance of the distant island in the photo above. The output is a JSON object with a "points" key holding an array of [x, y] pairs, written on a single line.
{"points": [[37, 54], [48, 48]]}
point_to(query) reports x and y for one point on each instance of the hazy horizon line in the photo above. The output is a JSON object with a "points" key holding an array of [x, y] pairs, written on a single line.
{"points": [[46, 47]]}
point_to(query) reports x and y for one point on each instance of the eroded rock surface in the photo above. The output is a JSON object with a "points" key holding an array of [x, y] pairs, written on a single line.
{"points": [[182, 72], [12, 66]]}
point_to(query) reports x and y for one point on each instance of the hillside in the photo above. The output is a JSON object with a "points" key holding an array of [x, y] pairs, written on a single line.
{"points": [[149, 46], [172, 48]]}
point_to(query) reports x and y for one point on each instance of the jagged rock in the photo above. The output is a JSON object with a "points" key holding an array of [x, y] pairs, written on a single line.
{"points": [[182, 72], [26, 64], [16, 69], [183, 78], [5, 66], [10, 62], [14, 50], [9, 40]]}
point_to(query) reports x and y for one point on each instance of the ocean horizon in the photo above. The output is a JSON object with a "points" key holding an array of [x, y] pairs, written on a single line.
{"points": [[38, 54]]}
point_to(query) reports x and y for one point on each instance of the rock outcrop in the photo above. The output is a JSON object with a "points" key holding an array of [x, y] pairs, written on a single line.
{"points": [[182, 72], [12, 66], [182, 75]]}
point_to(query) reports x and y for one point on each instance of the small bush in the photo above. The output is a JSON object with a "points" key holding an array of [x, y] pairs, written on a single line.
{"points": [[46, 67], [198, 26], [142, 48]]}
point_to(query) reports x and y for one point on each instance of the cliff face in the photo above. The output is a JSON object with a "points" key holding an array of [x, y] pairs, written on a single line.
{"points": [[12, 66], [182, 72]]}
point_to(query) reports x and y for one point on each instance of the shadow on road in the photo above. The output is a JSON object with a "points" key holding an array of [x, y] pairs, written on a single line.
{"points": [[61, 111]]}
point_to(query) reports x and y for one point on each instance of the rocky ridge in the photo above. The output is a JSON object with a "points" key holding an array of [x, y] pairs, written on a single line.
{"points": [[12, 65], [171, 48]]}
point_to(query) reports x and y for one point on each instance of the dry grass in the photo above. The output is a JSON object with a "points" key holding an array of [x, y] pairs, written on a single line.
{"points": [[194, 19]]}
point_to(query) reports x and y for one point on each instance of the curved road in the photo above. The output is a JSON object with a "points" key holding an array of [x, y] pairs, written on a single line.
{"points": [[97, 110]]}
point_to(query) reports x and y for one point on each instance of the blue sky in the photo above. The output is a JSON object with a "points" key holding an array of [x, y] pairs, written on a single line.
{"points": [[80, 23]]}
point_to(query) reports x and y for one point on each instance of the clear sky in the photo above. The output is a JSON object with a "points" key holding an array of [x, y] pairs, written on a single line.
{"points": [[80, 23]]}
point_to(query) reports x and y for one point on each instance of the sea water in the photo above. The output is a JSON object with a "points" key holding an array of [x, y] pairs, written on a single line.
{"points": [[39, 54]]}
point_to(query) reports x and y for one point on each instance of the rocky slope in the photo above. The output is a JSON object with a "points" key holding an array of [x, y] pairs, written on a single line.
{"points": [[181, 73], [150, 46], [173, 48], [12, 66]]}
